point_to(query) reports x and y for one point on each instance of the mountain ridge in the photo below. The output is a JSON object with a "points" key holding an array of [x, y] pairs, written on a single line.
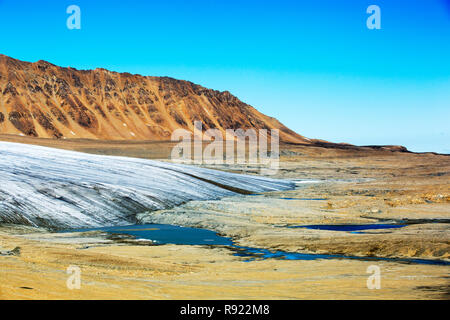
{"points": [[41, 99]]}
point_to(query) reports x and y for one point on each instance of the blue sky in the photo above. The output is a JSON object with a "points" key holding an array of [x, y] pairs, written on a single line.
{"points": [[314, 65]]}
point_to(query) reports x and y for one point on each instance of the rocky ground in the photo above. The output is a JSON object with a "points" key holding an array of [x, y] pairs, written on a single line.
{"points": [[388, 187], [358, 186]]}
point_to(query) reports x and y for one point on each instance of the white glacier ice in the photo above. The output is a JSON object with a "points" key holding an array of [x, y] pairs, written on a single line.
{"points": [[42, 186]]}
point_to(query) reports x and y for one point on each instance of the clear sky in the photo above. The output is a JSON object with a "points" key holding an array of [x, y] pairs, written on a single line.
{"points": [[313, 64]]}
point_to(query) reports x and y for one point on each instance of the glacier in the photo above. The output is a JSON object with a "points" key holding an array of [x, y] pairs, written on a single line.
{"points": [[54, 188]]}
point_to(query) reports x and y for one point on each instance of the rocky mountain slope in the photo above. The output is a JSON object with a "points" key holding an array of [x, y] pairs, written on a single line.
{"points": [[43, 100]]}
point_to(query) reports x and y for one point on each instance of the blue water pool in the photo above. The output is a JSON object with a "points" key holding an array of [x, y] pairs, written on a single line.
{"points": [[167, 234], [350, 227], [170, 234], [306, 199]]}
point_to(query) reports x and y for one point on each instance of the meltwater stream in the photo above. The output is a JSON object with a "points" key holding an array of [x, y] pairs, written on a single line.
{"points": [[170, 234]]}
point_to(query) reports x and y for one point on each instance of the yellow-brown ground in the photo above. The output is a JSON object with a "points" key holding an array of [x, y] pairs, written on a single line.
{"points": [[362, 186]]}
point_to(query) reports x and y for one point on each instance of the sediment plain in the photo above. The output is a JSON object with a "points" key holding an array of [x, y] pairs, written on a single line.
{"points": [[349, 186]]}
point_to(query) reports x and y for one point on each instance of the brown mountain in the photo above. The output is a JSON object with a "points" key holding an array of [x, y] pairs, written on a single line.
{"points": [[43, 100]]}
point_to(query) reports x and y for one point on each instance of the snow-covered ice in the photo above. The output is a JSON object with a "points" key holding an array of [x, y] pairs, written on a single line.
{"points": [[42, 186]]}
